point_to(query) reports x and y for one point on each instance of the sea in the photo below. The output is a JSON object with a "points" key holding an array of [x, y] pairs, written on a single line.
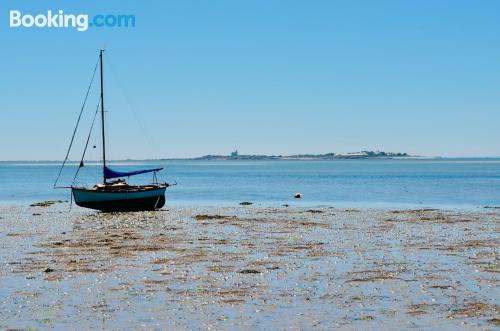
{"points": [[356, 183]]}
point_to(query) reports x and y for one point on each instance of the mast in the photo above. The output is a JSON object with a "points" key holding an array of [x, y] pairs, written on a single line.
{"points": [[102, 119]]}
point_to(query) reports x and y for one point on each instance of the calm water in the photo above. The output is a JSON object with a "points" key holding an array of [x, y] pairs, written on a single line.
{"points": [[469, 183]]}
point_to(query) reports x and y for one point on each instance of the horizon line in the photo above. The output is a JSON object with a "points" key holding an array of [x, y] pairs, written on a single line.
{"points": [[199, 158]]}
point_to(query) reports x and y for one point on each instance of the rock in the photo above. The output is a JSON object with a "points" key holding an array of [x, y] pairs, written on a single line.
{"points": [[298, 195], [246, 203], [49, 269]]}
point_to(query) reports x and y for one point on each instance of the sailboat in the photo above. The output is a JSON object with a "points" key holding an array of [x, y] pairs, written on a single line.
{"points": [[114, 194]]}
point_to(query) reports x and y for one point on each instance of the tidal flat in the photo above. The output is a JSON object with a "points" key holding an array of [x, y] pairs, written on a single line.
{"points": [[249, 267]]}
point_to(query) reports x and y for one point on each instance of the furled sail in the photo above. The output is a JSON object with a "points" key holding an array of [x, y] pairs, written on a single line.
{"points": [[109, 173]]}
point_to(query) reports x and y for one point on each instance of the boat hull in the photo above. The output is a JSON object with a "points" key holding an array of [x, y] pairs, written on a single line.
{"points": [[115, 201]]}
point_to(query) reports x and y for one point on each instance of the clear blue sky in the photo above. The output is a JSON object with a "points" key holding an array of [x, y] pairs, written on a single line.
{"points": [[270, 77]]}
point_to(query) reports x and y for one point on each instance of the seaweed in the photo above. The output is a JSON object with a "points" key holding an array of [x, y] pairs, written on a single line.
{"points": [[47, 203]]}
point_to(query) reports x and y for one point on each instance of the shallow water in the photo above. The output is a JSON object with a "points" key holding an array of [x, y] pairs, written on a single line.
{"points": [[445, 183], [249, 268]]}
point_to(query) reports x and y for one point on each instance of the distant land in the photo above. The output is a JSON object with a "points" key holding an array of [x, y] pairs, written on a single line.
{"points": [[236, 156], [328, 156]]}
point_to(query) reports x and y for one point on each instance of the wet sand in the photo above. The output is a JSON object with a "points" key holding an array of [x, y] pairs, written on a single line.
{"points": [[249, 267]]}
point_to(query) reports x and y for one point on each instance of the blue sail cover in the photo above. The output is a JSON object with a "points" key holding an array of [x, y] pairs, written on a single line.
{"points": [[108, 173]]}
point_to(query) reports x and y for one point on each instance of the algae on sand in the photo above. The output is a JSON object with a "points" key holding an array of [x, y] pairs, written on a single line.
{"points": [[47, 203]]}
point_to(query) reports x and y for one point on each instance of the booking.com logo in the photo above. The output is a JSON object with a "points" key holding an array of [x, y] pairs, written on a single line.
{"points": [[59, 19]]}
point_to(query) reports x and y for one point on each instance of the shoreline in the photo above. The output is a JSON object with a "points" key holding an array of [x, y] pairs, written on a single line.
{"points": [[373, 206], [249, 267], [129, 161]]}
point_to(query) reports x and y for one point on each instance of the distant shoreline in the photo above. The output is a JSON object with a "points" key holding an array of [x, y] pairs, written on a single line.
{"points": [[327, 156], [236, 159], [270, 158], [444, 158]]}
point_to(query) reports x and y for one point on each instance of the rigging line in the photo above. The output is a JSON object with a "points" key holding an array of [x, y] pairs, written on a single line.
{"points": [[76, 127], [140, 128], [87, 142]]}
